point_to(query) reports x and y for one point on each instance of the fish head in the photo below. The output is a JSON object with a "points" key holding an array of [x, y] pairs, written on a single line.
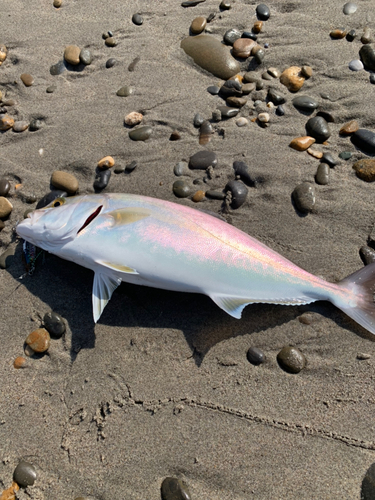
{"points": [[59, 222]]}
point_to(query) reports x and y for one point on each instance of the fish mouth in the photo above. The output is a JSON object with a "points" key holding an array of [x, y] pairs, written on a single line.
{"points": [[90, 218]]}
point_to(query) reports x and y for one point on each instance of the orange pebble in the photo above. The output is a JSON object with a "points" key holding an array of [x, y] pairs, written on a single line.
{"points": [[106, 162], [9, 494], [38, 340], [19, 362], [198, 196]]}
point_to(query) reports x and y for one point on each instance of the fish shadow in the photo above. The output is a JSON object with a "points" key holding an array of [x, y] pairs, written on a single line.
{"points": [[66, 288]]}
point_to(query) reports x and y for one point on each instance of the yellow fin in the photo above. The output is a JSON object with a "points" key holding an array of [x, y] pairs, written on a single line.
{"points": [[128, 215], [117, 267]]}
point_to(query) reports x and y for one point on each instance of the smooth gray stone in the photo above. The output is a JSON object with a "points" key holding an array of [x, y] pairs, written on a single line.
{"points": [[215, 195], [259, 56], [180, 169], [211, 55], [213, 89], [35, 125], [124, 91], [364, 140], [255, 356], [137, 19], [318, 128], [275, 97], [329, 159], [263, 12], [322, 174], [239, 193], [198, 120], [174, 489], [203, 160], [51, 89], [304, 197], [231, 36], [305, 103], [349, 8], [291, 359], [110, 62], [227, 112], [345, 155], [367, 54], [141, 133], [181, 189], [24, 474], [54, 324], [356, 65], [4, 186], [58, 68], [85, 57]]}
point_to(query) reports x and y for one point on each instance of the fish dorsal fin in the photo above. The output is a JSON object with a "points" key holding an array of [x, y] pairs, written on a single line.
{"points": [[102, 290], [128, 215], [231, 305], [117, 267]]}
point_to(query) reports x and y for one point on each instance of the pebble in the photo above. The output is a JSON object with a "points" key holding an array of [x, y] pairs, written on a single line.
{"points": [[302, 143], [124, 91], [231, 35], [211, 55], [19, 362], [322, 174], [327, 116], [27, 79], [263, 12], [367, 54], [367, 255], [140, 133], [257, 27], [337, 34], [5, 207], [305, 103], [180, 169], [292, 78], [242, 122], [216, 115], [349, 128], [264, 117], [20, 126], [6, 122], [110, 62], [236, 102], [137, 19], [39, 340], [181, 189], [372, 78], [211, 17], [365, 140], [250, 34], [255, 356], [215, 195], [134, 63], [4, 186], [258, 54], [315, 153], [307, 71], [228, 112], [57, 3], [65, 181], [213, 89], [225, 5], [291, 359], [119, 168], [102, 179], [175, 136], [131, 166], [368, 484], [6, 258], [133, 118], [106, 162], [85, 57], [110, 42], [205, 132], [366, 37], [356, 65], [71, 54], [365, 169], [247, 88], [54, 324], [329, 159], [349, 8], [3, 54], [58, 68], [51, 89], [191, 3], [304, 197], [351, 35], [24, 474], [242, 47], [266, 76], [198, 25], [242, 170], [345, 155], [274, 72], [198, 196], [318, 128], [239, 193], [174, 489], [198, 120], [280, 110], [202, 160]]}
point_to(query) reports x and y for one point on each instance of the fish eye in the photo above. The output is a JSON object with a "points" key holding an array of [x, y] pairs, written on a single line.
{"points": [[58, 202]]}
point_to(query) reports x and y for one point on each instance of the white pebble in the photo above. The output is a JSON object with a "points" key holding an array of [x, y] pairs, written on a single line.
{"points": [[264, 117], [242, 122], [355, 65], [41, 151], [133, 118]]}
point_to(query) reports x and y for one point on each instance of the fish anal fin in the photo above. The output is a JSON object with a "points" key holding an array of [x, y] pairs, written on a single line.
{"points": [[231, 305], [102, 290], [117, 267], [128, 215]]}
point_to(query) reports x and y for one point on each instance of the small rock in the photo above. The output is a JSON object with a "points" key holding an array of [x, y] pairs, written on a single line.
{"points": [[215, 195], [106, 162], [124, 91], [27, 79], [205, 132], [258, 25], [5, 207], [54, 324], [213, 89], [372, 78], [133, 118], [6, 122], [110, 42], [356, 65], [131, 166], [329, 159], [264, 117], [7, 257], [57, 3], [242, 47], [337, 34], [140, 133], [227, 111], [304, 197], [198, 25], [85, 57], [39, 340], [231, 35], [255, 356], [349, 128], [58, 68], [291, 359], [302, 143], [4, 186], [239, 193], [258, 54], [307, 71], [345, 155], [236, 102], [367, 255], [35, 125], [242, 170], [65, 181], [365, 169], [102, 179], [198, 120], [322, 174], [292, 78], [351, 35], [175, 136], [110, 62], [24, 474], [280, 111], [368, 484], [137, 19], [363, 356], [174, 489], [20, 126], [202, 160], [198, 196], [315, 153], [3, 54], [191, 3], [51, 89], [263, 12], [349, 8], [318, 128], [181, 189], [242, 122], [19, 362], [71, 54], [180, 169], [216, 115], [305, 103], [365, 140], [225, 5], [247, 88], [366, 37]]}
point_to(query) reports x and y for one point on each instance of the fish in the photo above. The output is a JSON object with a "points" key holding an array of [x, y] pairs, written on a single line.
{"points": [[157, 243]]}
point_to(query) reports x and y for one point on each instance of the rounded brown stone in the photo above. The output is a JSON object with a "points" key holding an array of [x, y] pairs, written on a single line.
{"points": [[243, 47], [20, 126], [19, 362], [307, 71], [71, 54], [5, 207], [106, 162], [236, 102], [302, 143], [292, 78], [57, 3], [38, 340], [291, 359], [258, 25], [110, 42], [198, 25], [338, 33], [198, 196], [365, 169], [27, 79], [64, 181], [349, 128], [3, 53], [6, 122]]}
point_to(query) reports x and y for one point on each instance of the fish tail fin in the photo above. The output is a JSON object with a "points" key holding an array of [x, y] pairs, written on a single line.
{"points": [[360, 304]]}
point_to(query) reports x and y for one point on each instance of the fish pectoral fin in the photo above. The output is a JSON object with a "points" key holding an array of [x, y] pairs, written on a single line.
{"points": [[117, 267], [102, 290], [231, 305], [128, 215]]}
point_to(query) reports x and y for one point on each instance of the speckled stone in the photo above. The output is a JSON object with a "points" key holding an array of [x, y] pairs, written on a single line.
{"points": [[5, 207], [39, 340], [124, 91], [6, 122], [198, 25], [181, 189], [133, 118], [137, 19], [355, 65], [202, 160], [20, 126], [349, 8], [71, 54], [292, 78], [65, 181], [291, 359], [365, 140], [238, 191], [211, 55], [231, 35], [367, 54], [349, 128], [27, 79], [263, 12], [85, 57], [318, 128], [365, 169], [24, 474], [304, 197], [174, 489], [140, 133], [322, 174], [255, 356], [305, 103], [4, 186], [367, 255], [302, 143], [102, 178]]}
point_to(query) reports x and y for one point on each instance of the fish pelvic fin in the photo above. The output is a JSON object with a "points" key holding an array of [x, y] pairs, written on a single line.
{"points": [[360, 304], [102, 290]]}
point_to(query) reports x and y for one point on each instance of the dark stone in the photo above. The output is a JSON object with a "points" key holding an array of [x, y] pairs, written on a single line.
{"points": [[291, 359], [215, 195], [364, 140], [58, 68], [250, 34], [198, 120], [110, 34], [327, 116], [175, 136], [35, 125], [203, 160], [24, 474], [205, 132], [230, 36], [372, 78], [318, 128], [230, 91], [227, 112], [181, 189], [54, 324], [239, 193], [133, 64], [225, 5], [49, 197], [368, 484], [259, 56], [213, 89], [174, 489], [275, 97], [137, 19], [367, 54], [280, 111], [329, 159], [4, 186], [211, 17], [322, 174], [304, 197], [305, 103], [351, 35], [85, 57], [255, 356], [367, 255], [101, 179], [233, 84], [141, 133], [110, 62], [263, 12], [192, 3], [241, 169]]}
